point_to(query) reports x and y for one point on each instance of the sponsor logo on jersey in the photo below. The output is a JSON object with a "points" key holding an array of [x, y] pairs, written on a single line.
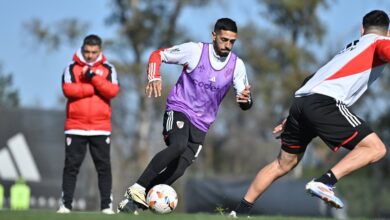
{"points": [[206, 85]]}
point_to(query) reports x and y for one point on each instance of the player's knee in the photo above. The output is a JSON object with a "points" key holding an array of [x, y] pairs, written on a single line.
{"points": [[373, 148], [286, 164], [71, 171], [177, 148], [377, 148], [104, 169], [379, 152]]}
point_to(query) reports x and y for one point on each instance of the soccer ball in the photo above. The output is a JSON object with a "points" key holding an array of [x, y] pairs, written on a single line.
{"points": [[162, 199]]}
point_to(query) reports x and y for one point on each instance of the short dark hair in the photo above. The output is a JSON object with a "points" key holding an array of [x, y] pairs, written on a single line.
{"points": [[225, 24], [376, 19], [93, 40]]}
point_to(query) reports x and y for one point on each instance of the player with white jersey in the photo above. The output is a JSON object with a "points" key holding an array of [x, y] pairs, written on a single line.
{"points": [[209, 71], [347, 76], [320, 108]]}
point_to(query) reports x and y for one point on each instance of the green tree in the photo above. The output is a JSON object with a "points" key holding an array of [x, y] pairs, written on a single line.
{"points": [[290, 59], [63, 32], [298, 18], [9, 96]]}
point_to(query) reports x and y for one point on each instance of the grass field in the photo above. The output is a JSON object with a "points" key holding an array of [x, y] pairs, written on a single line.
{"points": [[51, 215]]}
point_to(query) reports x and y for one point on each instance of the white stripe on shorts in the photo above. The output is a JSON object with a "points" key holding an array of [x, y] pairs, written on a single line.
{"points": [[352, 119], [169, 121]]}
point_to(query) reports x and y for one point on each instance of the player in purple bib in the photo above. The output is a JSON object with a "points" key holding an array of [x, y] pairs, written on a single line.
{"points": [[209, 71], [199, 93]]}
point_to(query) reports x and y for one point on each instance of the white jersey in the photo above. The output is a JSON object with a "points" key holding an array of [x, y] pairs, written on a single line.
{"points": [[188, 54], [347, 76]]}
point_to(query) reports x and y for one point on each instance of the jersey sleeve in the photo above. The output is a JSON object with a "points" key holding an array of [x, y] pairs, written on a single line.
{"points": [[181, 54], [383, 49], [240, 79], [186, 54]]}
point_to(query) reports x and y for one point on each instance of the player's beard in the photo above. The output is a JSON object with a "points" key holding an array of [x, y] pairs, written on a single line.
{"points": [[219, 52], [224, 54]]}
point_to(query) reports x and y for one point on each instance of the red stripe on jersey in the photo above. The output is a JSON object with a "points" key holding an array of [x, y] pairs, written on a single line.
{"points": [[366, 60]]}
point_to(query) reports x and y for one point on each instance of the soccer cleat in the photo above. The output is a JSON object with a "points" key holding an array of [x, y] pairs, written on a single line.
{"points": [[325, 193], [127, 206], [63, 210], [137, 195], [108, 211], [232, 214]]}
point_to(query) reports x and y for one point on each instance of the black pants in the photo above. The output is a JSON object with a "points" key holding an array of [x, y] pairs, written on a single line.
{"points": [[184, 142], [75, 150]]}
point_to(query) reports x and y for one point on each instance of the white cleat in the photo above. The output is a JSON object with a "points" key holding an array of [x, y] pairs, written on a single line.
{"points": [[232, 214], [137, 195], [325, 193], [108, 211], [63, 210]]}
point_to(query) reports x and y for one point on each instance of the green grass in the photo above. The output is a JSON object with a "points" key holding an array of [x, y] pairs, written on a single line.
{"points": [[51, 215]]}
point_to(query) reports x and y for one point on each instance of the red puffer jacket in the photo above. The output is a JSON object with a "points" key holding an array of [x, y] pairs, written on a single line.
{"points": [[88, 106]]}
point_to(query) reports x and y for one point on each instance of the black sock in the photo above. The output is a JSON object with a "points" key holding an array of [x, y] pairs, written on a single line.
{"points": [[328, 178], [244, 208]]}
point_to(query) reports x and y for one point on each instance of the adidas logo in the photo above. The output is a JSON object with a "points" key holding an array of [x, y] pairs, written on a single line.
{"points": [[16, 161]]}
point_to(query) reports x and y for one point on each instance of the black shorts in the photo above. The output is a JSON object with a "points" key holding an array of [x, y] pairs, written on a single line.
{"points": [[178, 128], [322, 116]]}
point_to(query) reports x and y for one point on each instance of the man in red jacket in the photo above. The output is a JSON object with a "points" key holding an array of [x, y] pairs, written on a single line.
{"points": [[89, 83]]}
